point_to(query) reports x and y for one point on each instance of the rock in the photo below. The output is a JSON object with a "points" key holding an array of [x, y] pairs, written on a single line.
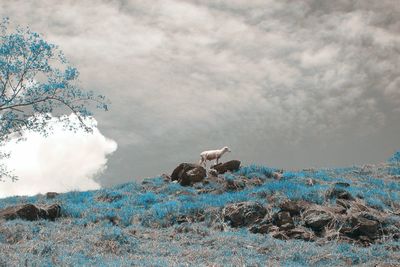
{"points": [[281, 218], [109, 198], [391, 230], [277, 175], [262, 227], [338, 209], [27, 212], [364, 226], [294, 207], [30, 212], [234, 185], [286, 226], [279, 235], [338, 193], [301, 233], [52, 212], [51, 195], [311, 182], [252, 182], [213, 173], [343, 203], [232, 165], [243, 213], [317, 217], [342, 184], [188, 174]]}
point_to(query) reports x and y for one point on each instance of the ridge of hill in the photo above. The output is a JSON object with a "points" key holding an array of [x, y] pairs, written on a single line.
{"points": [[250, 216]]}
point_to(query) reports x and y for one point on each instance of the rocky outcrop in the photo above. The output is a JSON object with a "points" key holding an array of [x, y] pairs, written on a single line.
{"points": [[31, 212], [350, 221], [232, 165], [188, 174]]}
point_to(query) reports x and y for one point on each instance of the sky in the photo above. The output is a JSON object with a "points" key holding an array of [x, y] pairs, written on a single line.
{"points": [[287, 84]]}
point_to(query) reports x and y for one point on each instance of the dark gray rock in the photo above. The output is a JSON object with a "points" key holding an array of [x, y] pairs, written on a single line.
{"points": [[301, 233], [343, 203], [317, 218], [188, 174], [286, 226], [232, 165], [243, 213], [342, 184], [52, 212], [212, 173], [51, 195], [262, 227], [235, 185], [294, 207], [281, 218], [338, 193], [364, 225], [26, 212], [30, 212]]}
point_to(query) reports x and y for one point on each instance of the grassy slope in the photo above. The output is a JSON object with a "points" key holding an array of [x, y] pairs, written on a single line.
{"points": [[137, 224]]}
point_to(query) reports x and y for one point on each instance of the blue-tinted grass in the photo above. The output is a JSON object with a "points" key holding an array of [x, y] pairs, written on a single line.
{"points": [[103, 223]]}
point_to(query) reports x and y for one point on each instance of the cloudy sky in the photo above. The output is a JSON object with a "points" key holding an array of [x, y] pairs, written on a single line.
{"points": [[288, 84]]}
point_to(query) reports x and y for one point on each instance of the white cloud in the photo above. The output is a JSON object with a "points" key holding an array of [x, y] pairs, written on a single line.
{"points": [[61, 162]]}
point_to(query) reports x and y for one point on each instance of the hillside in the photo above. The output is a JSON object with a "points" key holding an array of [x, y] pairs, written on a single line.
{"points": [[254, 216]]}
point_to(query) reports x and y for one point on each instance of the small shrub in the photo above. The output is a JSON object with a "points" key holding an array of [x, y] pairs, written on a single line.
{"points": [[395, 158], [147, 199], [253, 170]]}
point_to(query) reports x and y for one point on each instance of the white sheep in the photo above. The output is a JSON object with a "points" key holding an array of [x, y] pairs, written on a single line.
{"points": [[212, 154]]}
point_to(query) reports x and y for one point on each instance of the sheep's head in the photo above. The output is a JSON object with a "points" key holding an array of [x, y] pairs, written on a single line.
{"points": [[226, 149]]}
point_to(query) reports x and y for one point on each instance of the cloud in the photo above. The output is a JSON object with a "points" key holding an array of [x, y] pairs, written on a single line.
{"points": [[61, 162]]}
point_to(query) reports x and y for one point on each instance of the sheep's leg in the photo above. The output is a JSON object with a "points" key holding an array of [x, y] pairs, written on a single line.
{"points": [[202, 161]]}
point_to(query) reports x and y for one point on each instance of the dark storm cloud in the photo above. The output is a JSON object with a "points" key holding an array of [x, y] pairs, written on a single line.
{"points": [[284, 83]]}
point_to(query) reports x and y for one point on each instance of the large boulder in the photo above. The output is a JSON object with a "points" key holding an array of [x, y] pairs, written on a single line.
{"points": [[244, 213], [232, 165], [30, 212], [188, 174]]}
